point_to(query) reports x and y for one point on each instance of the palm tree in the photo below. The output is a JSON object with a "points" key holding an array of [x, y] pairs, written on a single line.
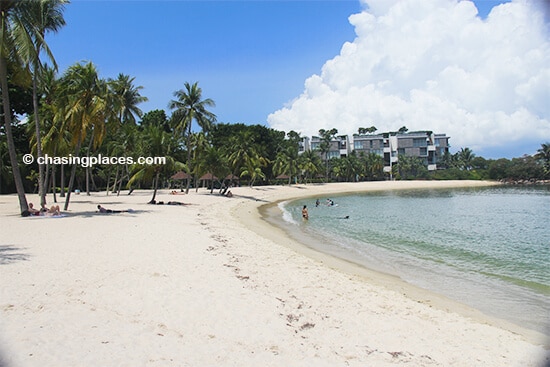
{"points": [[46, 16], [199, 146], [247, 156], [83, 107], [15, 45], [127, 98], [155, 142], [543, 154], [213, 162], [309, 163], [124, 100], [326, 137], [465, 157], [286, 162], [373, 165], [190, 106]]}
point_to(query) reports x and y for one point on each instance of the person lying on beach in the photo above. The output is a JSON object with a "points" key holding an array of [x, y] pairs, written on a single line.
{"points": [[104, 210], [174, 192], [32, 210], [54, 210]]}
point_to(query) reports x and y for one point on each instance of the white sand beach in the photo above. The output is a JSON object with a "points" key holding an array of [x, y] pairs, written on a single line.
{"points": [[213, 284]]}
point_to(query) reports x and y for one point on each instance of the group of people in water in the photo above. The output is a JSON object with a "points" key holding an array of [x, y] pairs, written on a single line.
{"points": [[329, 202]]}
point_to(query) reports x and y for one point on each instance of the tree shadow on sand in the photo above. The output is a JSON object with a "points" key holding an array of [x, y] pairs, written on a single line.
{"points": [[10, 254], [94, 214]]}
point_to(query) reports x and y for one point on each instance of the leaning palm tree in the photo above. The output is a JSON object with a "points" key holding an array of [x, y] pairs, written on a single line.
{"points": [[45, 16], [15, 45], [189, 106]]}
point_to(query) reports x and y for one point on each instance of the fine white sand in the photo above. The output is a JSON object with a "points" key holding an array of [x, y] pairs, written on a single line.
{"points": [[212, 284]]}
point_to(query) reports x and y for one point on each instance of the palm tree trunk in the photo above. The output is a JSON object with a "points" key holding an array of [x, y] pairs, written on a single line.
{"points": [[54, 188], [94, 186], [108, 180], [88, 181], [23, 205], [89, 168], [73, 173], [116, 179], [41, 173], [189, 157], [62, 178], [47, 179], [155, 188], [119, 185]]}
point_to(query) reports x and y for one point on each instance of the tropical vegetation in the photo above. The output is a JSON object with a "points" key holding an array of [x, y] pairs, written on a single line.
{"points": [[78, 113]]}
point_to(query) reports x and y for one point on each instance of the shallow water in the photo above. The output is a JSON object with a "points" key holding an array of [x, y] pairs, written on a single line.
{"points": [[486, 247]]}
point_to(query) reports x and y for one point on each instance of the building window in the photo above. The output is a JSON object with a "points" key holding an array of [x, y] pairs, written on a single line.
{"points": [[357, 145], [333, 155], [420, 142], [423, 151]]}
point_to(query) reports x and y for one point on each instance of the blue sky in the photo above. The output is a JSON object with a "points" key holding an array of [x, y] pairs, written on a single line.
{"points": [[251, 57]]}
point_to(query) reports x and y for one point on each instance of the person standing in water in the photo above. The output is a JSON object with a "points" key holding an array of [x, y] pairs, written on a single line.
{"points": [[305, 214]]}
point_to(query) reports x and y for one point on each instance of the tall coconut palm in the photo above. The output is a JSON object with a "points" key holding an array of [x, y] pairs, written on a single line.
{"points": [[83, 109], [189, 106], [326, 138], [45, 16], [127, 97], [15, 46], [124, 101]]}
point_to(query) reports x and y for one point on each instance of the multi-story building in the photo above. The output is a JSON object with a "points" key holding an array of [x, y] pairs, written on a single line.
{"points": [[339, 146], [303, 144], [426, 145]]}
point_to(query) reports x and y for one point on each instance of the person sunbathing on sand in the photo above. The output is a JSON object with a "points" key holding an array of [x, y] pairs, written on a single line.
{"points": [[54, 210], [104, 210], [32, 210]]}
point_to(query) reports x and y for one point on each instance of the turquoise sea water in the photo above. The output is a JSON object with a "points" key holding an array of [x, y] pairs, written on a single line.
{"points": [[486, 247]]}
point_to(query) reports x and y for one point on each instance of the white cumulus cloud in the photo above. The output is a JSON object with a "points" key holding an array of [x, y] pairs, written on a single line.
{"points": [[435, 65]]}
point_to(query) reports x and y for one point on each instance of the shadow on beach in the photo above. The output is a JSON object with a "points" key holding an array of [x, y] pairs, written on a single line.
{"points": [[95, 213], [250, 198], [10, 254]]}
